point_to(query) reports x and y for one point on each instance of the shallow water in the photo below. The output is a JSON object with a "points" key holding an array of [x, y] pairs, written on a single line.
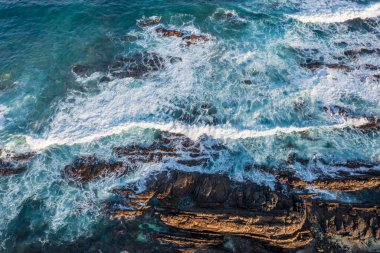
{"points": [[247, 88]]}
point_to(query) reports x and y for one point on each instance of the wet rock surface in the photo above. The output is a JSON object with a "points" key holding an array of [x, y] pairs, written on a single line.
{"points": [[214, 205], [169, 147], [88, 168], [169, 32], [200, 212], [13, 163], [190, 39]]}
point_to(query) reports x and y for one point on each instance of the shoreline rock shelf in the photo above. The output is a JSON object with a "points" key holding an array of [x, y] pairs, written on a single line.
{"points": [[215, 205]]}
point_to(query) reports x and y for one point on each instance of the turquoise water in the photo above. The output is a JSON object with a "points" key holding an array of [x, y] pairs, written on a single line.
{"points": [[246, 88]]}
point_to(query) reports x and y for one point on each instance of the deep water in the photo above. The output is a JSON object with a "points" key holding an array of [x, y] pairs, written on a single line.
{"points": [[246, 87]]}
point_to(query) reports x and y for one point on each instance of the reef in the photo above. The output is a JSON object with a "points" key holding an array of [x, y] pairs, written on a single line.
{"points": [[215, 206], [13, 163], [170, 147], [190, 39], [87, 168], [135, 65]]}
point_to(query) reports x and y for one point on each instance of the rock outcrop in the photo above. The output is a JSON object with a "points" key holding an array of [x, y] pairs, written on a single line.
{"points": [[88, 168], [13, 163], [168, 146], [215, 206], [190, 39]]}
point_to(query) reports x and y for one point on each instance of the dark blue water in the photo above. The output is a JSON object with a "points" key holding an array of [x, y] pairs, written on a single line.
{"points": [[247, 87]]}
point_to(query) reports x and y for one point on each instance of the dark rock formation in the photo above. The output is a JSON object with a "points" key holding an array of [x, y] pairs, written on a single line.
{"points": [[13, 163], [82, 70], [214, 204], [349, 221], [358, 52], [320, 65], [358, 182], [169, 32], [88, 168], [220, 209], [136, 65], [167, 146], [190, 39]]}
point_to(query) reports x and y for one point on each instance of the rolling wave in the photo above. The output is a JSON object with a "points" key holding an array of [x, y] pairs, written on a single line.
{"points": [[191, 131], [340, 15]]}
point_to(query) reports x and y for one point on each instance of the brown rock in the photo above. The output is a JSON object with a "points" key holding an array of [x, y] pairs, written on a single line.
{"points": [[169, 33], [13, 163], [214, 204], [87, 168], [349, 221]]}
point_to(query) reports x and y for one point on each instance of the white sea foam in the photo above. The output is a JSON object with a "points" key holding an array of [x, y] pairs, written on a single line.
{"points": [[3, 111], [339, 14], [191, 131]]}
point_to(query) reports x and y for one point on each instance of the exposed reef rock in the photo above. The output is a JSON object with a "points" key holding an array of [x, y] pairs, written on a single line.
{"points": [[189, 39], [213, 205], [169, 32], [216, 207], [361, 181], [168, 146], [13, 163], [88, 168], [349, 221], [349, 176]]}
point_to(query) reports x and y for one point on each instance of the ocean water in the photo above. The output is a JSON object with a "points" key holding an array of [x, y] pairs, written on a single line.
{"points": [[247, 88]]}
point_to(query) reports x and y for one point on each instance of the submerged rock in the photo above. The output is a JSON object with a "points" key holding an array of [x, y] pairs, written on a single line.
{"points": [[194, 112], [144, 22], [13, 163], [168, 146], [319, 65], [136, 65], [88, 168], [82, 70], [354, 53]]}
